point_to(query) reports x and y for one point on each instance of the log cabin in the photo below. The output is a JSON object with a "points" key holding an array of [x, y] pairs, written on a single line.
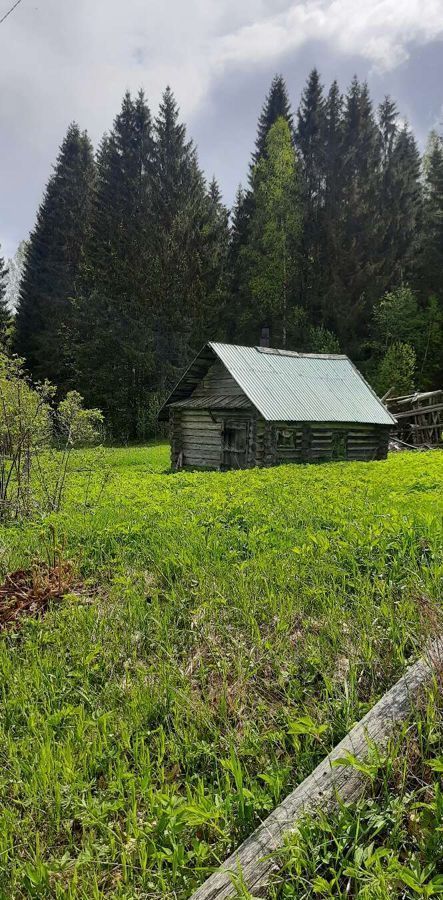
{"points": [[239, 407]]}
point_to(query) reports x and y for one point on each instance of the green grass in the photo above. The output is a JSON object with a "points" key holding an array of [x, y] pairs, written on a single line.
{"points": [[149, 722]]}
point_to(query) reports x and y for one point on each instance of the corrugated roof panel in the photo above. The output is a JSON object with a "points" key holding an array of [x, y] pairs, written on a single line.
{"points": [[302, 387]]}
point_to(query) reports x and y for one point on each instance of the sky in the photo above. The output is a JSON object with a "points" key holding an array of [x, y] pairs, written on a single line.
{"points": [[65, 60]]}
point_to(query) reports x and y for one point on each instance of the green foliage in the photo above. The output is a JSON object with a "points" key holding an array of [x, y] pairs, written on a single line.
{"points": [[276, 106], [33, 477], [400, 318], [396, 371], [25, 429], [323, 341], [149, 721], [24, 409], [271, 255], [79, 427]]}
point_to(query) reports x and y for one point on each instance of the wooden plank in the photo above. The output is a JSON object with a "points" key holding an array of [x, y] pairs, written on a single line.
{"points": [[419, 410], [324, 787], [217, 381], [200, 439], [203, 453]]}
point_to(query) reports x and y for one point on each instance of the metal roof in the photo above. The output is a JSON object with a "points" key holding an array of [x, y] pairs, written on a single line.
{"points": [[294, 387]]}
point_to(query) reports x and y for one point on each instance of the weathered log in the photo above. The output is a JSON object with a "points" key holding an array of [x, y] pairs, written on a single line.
{"points": [[255, 858]]}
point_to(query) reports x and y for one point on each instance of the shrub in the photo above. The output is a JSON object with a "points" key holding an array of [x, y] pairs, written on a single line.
{"points": [[396, 370], [32, 477], [77, 426]]}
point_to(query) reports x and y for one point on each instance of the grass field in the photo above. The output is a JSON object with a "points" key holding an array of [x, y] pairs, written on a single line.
{"points": [[230, 630]]}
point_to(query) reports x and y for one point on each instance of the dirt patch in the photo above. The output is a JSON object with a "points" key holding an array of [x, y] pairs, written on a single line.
{"points": [[28, 592]]}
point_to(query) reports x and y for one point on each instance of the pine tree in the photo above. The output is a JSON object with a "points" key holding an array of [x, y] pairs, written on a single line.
{"points": [[271, 256], [115, 356], [5, 316], [45, 314]]}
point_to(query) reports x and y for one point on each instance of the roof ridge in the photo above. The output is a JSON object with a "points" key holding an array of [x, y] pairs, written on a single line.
{"points": [[276, 351]]}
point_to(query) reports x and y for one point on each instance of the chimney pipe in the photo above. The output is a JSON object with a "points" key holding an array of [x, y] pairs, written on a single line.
{"points": [[264, 336]]}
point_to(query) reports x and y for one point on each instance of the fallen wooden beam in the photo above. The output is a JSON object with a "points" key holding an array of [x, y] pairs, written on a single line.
{"points": [[418, 411], [254, 859]]}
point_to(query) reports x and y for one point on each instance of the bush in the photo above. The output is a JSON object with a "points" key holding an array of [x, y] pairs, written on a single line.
{"points": [[32, 477], [77, 426], [396, 370]]}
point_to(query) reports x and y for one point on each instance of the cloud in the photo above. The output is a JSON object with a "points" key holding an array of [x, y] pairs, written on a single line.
{"points": [[62, 60], [381, 31]]}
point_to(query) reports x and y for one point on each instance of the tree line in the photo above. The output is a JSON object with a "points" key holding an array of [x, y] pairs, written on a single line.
{"points": [[335, 244]]}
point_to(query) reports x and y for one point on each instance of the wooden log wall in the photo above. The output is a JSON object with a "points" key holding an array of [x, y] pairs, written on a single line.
{"points": [[197, 440], [318, 442], [327, 785], [197, 437]]}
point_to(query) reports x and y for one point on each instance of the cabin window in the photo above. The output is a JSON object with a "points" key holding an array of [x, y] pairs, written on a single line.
{"points": [[286, 439], [339, 445]]}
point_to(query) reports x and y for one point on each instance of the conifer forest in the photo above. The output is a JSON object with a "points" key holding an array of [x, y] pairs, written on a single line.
{"points": [[335, 244]]}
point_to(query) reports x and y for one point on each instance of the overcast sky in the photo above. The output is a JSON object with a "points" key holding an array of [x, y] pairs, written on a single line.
{"points": [[64, 60]]}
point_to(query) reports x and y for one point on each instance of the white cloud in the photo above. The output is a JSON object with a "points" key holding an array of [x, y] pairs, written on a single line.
{"points": [[381, 31], [62, 60]]}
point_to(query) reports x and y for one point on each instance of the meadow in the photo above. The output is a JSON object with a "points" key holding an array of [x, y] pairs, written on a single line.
{"points": [[225, 630]]}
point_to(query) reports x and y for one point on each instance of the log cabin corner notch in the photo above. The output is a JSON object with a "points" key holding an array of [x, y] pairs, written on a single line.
{"points": [[238, 407]]}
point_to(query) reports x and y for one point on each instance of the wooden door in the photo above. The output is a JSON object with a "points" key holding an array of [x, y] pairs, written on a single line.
{"points": [[235, 445]]}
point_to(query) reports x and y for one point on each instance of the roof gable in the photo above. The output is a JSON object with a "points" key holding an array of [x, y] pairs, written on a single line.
{"points": [[288, 386]]}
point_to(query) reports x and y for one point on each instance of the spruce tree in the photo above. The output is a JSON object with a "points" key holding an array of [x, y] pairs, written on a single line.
{"points": [[45, 320], [234, 320], [356, 270], [180, 208], [210, 324], [184, 243], [311, 145], [276, 106], [115, 340], [399, 197], [333, 200], [430, 259]]}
